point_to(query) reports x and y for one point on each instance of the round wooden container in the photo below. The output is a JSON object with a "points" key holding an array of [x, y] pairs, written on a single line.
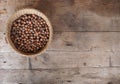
{"points": [[17, 15]]}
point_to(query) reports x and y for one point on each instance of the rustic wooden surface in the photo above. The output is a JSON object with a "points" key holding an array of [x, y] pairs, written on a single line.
{"points": [[85, 47]]}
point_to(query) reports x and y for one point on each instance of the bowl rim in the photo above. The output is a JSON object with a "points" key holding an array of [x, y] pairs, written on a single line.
{"points": [[20, 13]]}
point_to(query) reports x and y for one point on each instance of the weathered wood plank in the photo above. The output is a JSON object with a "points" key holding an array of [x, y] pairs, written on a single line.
{"points": [[85, 41], [61, 76], [13, 61], [58, 59], [82, 15], [115, 59], [70, 60], [4, 46], [69, 15], [78, 41]]}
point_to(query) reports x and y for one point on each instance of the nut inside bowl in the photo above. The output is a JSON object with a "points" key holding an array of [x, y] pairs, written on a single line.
{"points": [[29, 32]]}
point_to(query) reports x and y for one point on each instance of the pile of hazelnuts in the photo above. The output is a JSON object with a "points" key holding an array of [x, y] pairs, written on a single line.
{"points": [[29, 33]]}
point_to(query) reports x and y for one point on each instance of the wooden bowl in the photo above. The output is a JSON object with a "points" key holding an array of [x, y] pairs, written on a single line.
{"points": [[17, 15]]}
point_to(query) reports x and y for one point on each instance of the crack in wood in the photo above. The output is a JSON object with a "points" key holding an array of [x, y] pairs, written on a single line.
{"points": [[30, 64], [110, 62]]}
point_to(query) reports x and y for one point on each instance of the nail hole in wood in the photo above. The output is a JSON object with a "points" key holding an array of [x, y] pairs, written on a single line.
{"points": [[69, 44], [4, 62], [19, 83], [84, 63], [109, 83], [69, 81]]}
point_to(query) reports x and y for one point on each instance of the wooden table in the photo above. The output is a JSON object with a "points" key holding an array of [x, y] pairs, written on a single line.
{"points": [[85, 47]]}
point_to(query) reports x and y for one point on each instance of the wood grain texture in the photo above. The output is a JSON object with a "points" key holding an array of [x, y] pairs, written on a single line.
{"points": [[61, 76], [86, 41], [115, 59], [77, 41], [85, 47], [53, 60], [82, 15], [13, 61], [69, 15]]}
